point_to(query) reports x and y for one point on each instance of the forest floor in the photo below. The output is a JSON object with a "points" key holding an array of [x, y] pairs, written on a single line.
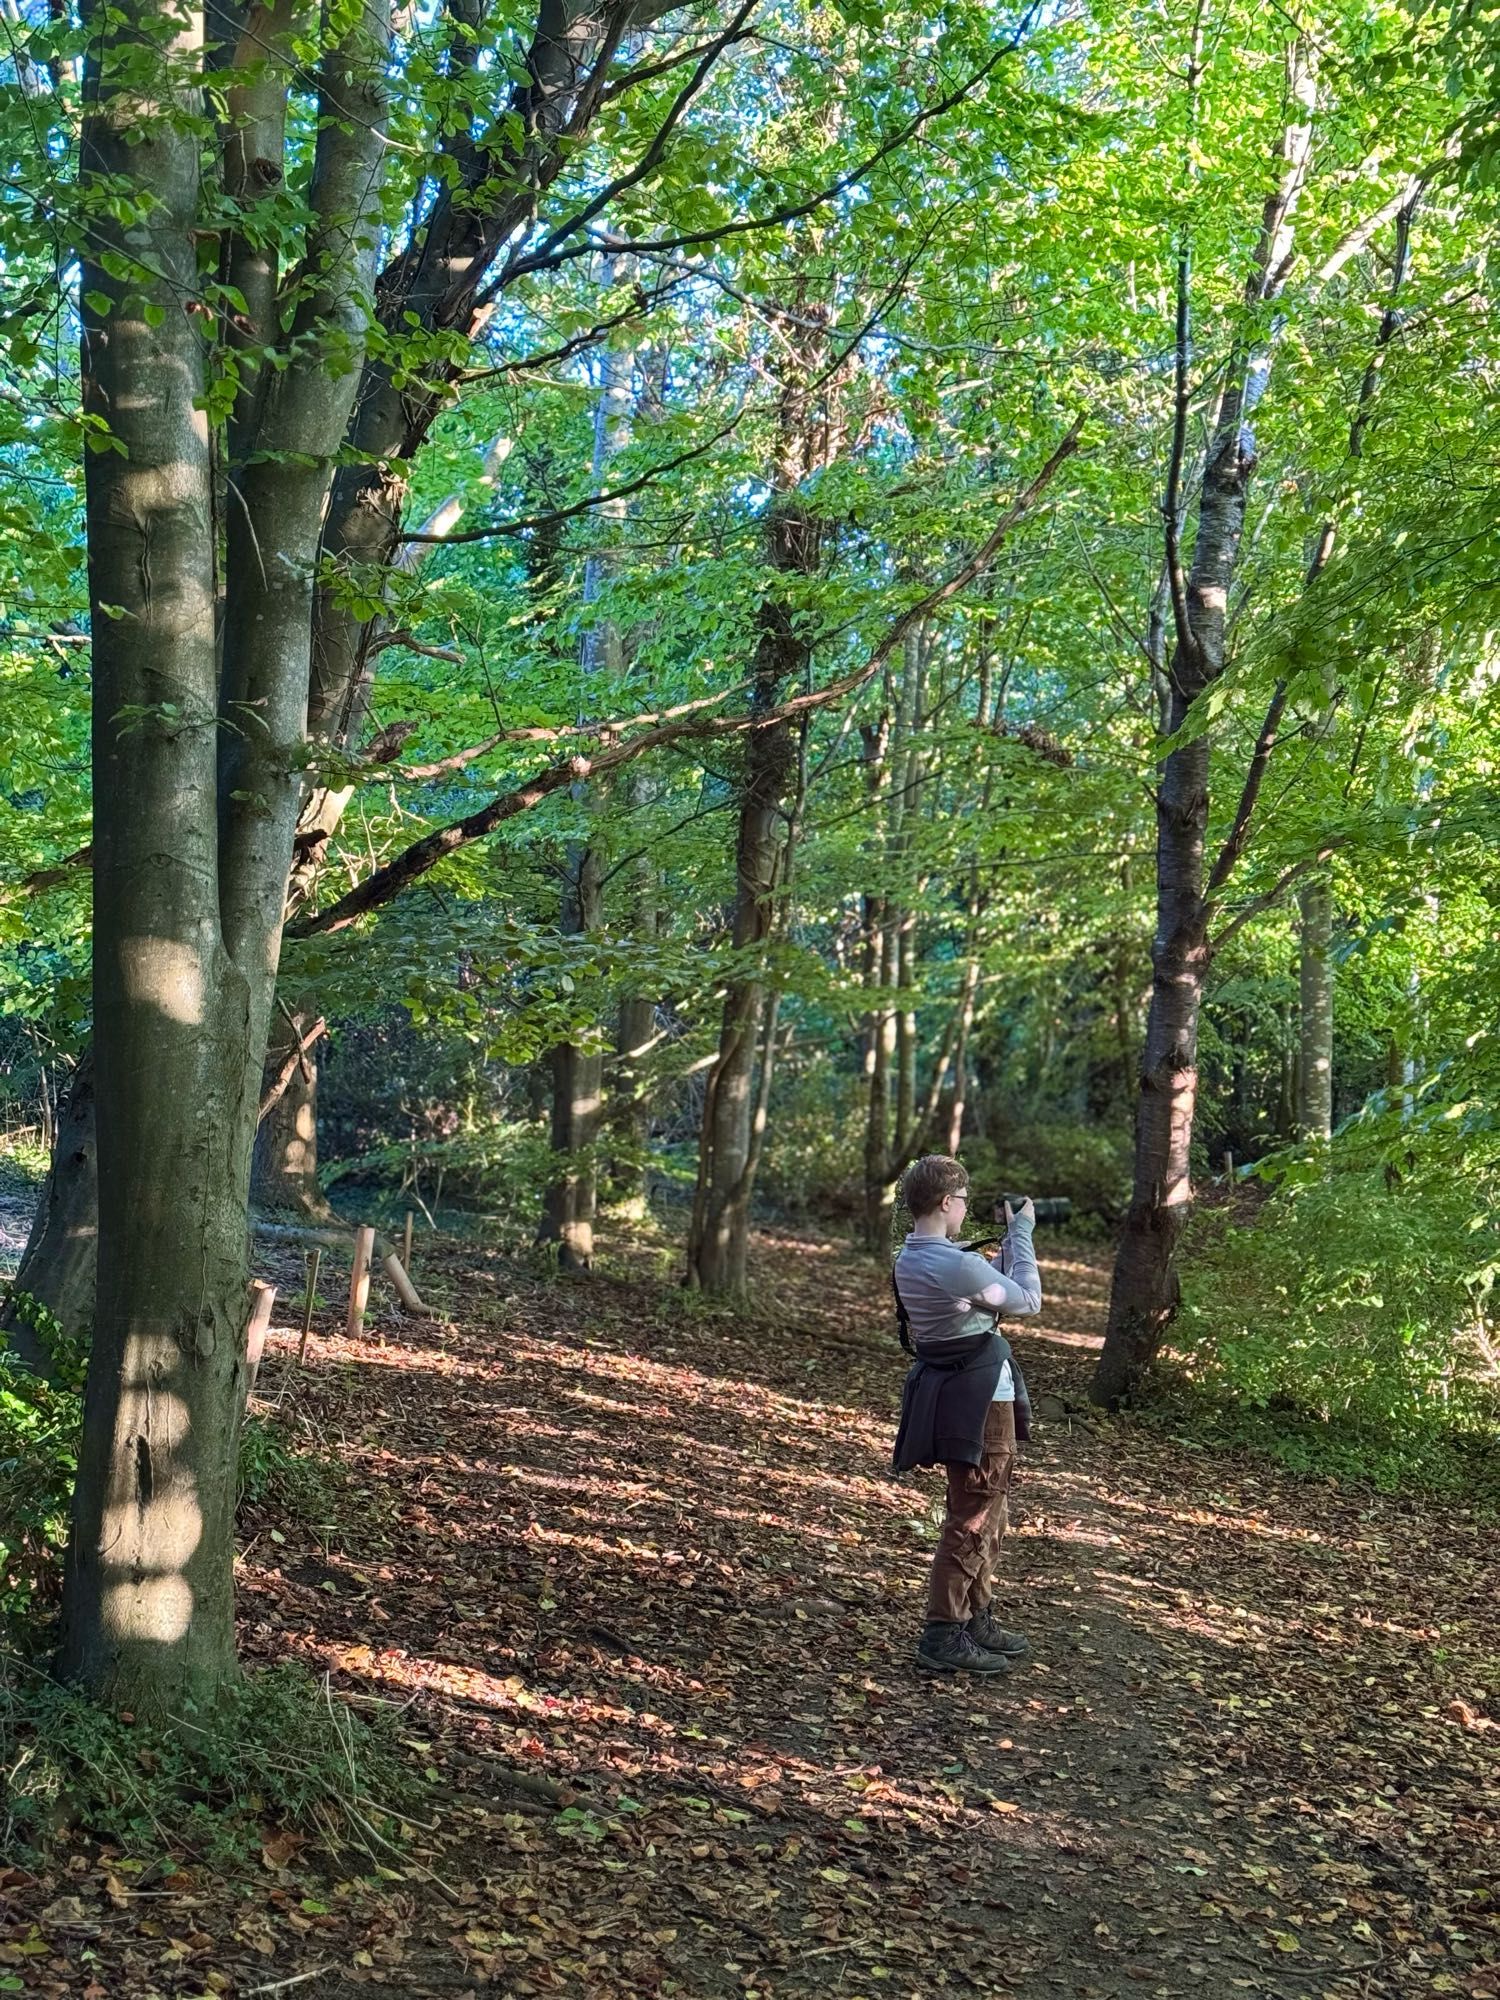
{"points": [[642, 1575]]}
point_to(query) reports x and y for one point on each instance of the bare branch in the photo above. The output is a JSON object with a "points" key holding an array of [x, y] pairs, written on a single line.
{"points": [[408, 644], [651, 158], [1258, 905], [296, 1059]]}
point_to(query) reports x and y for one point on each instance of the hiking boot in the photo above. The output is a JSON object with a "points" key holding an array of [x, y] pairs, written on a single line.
{"points": [[948, 1649], [994, 1638]]}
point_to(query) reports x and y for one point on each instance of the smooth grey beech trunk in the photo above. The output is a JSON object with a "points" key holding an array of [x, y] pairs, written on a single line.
{"points": [[192, 848], [436, 280]]}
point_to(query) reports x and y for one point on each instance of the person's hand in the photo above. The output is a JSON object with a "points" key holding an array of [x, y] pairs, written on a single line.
{"points": [[1026, 1212]]}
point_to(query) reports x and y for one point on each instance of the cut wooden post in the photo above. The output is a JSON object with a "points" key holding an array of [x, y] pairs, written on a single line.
{"points": [[262, 1298], [404, 1289], [359, 1283], [1228, 1164], [312, 1264], [406, 1245]]}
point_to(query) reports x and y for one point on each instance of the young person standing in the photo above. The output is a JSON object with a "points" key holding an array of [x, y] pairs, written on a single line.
{"points": [[958, 1407]]}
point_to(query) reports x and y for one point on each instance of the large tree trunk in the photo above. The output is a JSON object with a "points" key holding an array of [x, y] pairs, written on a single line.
{"points": [[60, 1261], [191, 850], [1144, 1294], [148, 1611], [284, 1165], [436, 278], [1315, 1069]]}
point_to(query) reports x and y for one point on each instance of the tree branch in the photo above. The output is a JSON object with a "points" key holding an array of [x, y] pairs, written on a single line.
{"points": [[651, 158], [1239, 833], [1259, 904], [795, 211], [295, 1059], [415, 861], [584, 506], [1356, 239], [1171, 506]]}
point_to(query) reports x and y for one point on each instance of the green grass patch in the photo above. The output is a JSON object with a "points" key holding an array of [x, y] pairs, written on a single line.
{"points": [[23, 1166], [276, 1478], [278, 1750], [1454, 1462]]}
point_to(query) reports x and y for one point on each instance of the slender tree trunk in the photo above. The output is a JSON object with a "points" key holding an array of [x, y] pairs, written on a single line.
{"points": [[1144, 1294], [60, 1262], [719, 1236], [880, 1060], [961, 1055], [733, 1115], [629, 1105], [1315, 1068], [578, 1073], [577, 1085], [628, 1102]]}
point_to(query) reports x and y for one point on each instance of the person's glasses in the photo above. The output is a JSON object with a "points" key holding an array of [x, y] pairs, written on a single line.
{"points": [[960, 1197]]}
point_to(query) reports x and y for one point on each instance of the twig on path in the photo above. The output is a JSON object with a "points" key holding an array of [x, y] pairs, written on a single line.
{"points": [[1320, 1969], [534, 1782], [297, 1979]]}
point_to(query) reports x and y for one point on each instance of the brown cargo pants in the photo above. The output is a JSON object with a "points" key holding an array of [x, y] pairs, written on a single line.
{"points": [[963, 1568]]}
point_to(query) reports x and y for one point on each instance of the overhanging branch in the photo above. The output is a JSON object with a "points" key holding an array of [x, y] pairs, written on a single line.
{"points": [[423, 855]]}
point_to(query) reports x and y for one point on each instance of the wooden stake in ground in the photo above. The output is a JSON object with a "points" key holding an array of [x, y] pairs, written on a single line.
{"points": [[406, 1245], [262, 1298], [359, 1283], [307, 1311]]}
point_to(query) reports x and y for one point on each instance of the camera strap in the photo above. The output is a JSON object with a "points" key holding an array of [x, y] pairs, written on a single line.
{"points": [[903, 1324]]}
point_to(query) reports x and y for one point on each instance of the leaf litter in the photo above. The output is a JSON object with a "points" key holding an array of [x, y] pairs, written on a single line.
{"points": [[635, 1576]]}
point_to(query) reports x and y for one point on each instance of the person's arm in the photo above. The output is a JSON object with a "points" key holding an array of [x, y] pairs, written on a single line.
{"points": [[1020, 1290]]}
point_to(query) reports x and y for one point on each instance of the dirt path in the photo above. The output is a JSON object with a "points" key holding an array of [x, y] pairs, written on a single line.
{"points": [[651, 1590]]}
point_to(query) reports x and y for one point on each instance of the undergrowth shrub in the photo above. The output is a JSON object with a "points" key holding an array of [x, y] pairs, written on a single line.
{"points": [[1090, 1164], [1352, 1299], [278, 1749], [39, 1424]]}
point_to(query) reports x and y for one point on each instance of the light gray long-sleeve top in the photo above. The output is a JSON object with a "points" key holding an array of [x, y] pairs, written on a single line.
{"points": [[949, 1292]]}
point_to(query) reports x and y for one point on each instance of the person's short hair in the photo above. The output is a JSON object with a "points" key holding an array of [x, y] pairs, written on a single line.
{"points": [[927, 1183]]}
